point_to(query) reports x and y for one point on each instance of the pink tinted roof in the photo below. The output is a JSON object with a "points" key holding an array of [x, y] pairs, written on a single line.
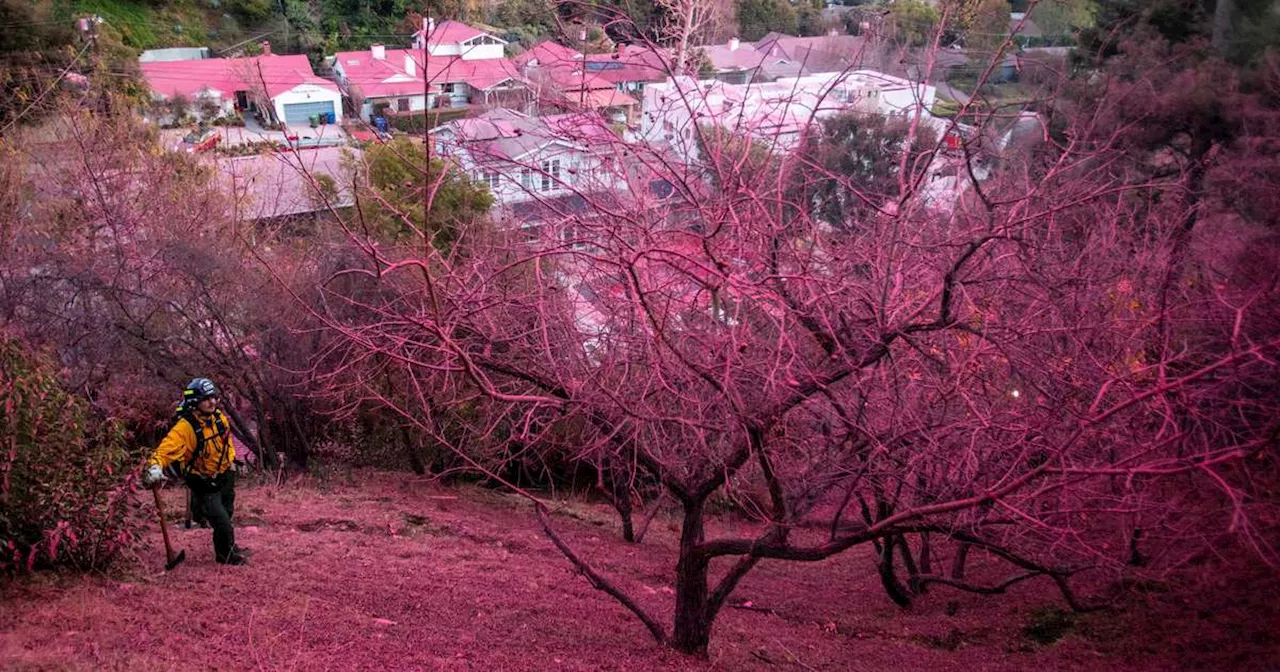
{"points": [[280, 73], [452, 32], [630, 63], [372, 74], [548, 53]]}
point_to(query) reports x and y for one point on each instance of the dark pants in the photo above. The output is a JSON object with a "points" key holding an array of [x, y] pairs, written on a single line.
{"points": [[215, 500], [195, 513]]}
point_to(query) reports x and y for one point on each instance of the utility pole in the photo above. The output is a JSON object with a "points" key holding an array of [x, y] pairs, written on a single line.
{"points": [[287, 44]]}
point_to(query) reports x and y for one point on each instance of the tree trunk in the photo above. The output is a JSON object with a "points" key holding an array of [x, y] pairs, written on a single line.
{"points": [[692, 628], [909, 563], [926, 563], [897, 592], [622, 502], [1222, 12], [957, 563], [411, 451], [620, 487]]}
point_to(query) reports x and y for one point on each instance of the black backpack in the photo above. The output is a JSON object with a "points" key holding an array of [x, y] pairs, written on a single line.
{"points": [[184, 414]]}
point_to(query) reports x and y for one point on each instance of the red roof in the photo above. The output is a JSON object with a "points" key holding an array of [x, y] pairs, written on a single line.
{"points": [[389, 76], [279, 73], [630, 63], [547, 53], [452, 32]]}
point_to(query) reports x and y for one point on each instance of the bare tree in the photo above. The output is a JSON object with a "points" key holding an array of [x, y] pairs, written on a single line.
{"points": [[1018, 345]]}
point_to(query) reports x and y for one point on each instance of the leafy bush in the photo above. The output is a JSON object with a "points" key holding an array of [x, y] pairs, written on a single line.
{"points": [[417, 122], [64, 473]]}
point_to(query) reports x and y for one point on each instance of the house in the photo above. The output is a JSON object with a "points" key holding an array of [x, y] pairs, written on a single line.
{"points": [[825, 53], [174, 54], [734, 62], [560, 79], [452, 65], [287, 184], [548, 54], [631, 67], [284, 88], [1021, 25], [737, 62], [522, 158], [774, 113]]}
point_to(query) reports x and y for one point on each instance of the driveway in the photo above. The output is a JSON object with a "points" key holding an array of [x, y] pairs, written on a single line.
{"points": [[953, 93], [234, 136]]}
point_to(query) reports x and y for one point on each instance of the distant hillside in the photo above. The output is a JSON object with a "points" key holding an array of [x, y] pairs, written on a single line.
{"points": [[148, 24]]}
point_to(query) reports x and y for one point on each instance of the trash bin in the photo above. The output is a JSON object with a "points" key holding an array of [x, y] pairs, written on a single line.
{"points": [[314, 119], [330, 118]]}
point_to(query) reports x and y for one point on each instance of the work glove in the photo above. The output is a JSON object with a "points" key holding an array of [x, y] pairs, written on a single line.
{"points": [[152, 475]]}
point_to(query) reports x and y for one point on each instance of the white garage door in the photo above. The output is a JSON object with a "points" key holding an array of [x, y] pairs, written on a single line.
{"points": [[300, 113]]}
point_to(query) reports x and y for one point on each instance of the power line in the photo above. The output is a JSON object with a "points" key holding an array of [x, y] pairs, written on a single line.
{"points": [[49, 88]]}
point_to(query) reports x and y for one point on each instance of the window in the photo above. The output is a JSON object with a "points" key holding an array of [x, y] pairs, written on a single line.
{"points": [[402, 104], [489, 178], [550, 175], [526, 178], [447, 87]]}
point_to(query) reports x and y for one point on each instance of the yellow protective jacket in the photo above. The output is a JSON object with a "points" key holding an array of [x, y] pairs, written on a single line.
{"points": [[180, 443]]}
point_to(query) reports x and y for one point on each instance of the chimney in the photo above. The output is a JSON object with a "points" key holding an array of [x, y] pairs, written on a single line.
{"points": [[431, 25], [582, 34], [832, 32], [378, 51], [266, 48], [410, 67], [733, 44]]}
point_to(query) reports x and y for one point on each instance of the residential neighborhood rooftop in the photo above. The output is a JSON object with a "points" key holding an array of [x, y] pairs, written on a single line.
{"points": [[274, 74]]}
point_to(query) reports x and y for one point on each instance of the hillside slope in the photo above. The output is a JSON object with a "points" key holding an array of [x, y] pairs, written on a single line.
{"points": [[396, 574]]}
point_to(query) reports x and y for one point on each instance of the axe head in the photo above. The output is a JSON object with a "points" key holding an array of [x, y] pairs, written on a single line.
{"points": [[175, 560]]}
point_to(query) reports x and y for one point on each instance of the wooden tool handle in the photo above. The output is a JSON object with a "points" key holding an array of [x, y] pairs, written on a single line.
{"points": [[164, 526]]}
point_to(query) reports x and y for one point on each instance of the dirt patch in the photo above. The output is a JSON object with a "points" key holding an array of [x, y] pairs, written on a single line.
{"points": [[329, 525]]}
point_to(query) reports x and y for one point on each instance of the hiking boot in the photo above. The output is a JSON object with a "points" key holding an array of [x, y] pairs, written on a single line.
{"points": [[241, 550], [234, 559]]}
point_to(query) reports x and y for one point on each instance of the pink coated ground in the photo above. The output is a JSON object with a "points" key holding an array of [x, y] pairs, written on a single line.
{"points": [[396, 574]]}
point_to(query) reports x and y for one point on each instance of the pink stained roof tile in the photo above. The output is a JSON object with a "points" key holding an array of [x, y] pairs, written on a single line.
{"points": [[602, 98], [279, 73], [630, 63], [548, 53], [506, 135], [389, 76], [745, 57], [452, 32], [574, 79]]}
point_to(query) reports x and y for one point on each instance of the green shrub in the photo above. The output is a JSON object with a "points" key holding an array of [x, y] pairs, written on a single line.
{"points": [[945, 108], [64, 472], [416, 123]]}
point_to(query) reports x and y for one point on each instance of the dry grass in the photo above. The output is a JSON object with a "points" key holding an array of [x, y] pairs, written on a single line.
{"points": [[395, 574]]}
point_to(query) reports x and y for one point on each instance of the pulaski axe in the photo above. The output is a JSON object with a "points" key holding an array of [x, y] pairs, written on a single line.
{"points": [[171, 559]]}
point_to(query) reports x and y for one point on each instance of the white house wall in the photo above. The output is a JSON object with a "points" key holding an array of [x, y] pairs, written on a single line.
{"points": [[480, 52], [308, 93], [417, 103], [667, 116], [579, 173], [449, 49]]}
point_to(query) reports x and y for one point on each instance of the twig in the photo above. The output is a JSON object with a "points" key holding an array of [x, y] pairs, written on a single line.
{"points": [[749, 607], [597, 580]]}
